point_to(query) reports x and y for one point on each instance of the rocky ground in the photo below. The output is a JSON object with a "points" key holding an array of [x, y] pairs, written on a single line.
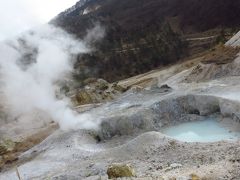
{"points": [[130, 129]]}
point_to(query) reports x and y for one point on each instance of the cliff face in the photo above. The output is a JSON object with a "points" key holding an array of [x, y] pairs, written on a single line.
{"points": [[142, 34]]}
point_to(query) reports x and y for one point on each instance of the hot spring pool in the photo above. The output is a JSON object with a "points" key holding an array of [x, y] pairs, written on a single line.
{"points": [[200, 131]]}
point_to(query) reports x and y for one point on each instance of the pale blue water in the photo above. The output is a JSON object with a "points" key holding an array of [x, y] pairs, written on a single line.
{"points": [[200, 131]]}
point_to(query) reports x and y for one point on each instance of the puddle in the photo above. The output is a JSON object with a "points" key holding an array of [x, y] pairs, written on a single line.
{"points": [[200, 131]]}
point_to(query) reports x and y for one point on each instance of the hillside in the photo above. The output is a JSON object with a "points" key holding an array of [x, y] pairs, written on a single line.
{"points": [[144, 34]]}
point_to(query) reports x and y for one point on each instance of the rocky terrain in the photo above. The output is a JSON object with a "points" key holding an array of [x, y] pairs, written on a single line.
{"points": [[129, 141]]}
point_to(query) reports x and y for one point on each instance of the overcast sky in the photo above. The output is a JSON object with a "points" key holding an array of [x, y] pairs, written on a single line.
{"points": [[19, 15]]}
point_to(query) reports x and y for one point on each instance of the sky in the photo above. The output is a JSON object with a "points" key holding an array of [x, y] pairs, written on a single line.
{"points": [[17, 16]]}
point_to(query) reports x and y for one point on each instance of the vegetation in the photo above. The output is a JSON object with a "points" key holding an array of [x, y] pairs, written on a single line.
{"points": [[141, 35]]}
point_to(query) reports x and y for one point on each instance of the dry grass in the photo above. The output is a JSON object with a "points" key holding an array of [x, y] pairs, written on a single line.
{"points": [[221, 55]]}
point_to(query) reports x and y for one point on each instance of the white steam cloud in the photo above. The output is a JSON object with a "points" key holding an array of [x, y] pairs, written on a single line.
{"points": [[29, 80], [17, 16]]}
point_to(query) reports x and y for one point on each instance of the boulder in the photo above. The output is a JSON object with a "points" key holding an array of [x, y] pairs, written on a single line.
{"points": [[120, 170], [102, 84], [84, 97], [194, 177], [96, 91], [6, 146], [165, 88], [119, 88]]}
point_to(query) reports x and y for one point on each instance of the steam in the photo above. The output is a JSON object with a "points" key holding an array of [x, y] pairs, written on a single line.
{"points": [[31, 68], [17, 16]]}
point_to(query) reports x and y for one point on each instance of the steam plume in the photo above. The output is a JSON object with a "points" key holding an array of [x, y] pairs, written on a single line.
{"points": [[32, 65]]}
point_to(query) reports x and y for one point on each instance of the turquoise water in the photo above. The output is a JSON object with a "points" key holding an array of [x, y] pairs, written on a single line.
{"points": [[200, 131]]}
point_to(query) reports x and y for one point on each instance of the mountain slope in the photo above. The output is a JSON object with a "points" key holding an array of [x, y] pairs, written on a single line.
{"points": [[143, 34]]}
